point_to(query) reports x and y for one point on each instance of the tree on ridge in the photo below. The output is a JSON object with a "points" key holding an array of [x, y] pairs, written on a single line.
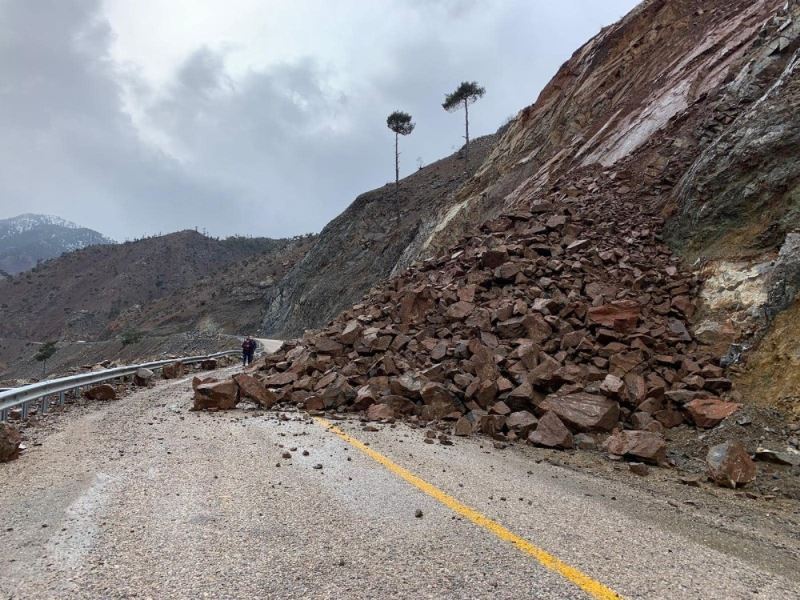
{"points": [[400, 123], [465, 94]]}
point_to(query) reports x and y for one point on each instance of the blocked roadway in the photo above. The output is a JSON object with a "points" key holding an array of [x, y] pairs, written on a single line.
{"points": [[142, 498]]}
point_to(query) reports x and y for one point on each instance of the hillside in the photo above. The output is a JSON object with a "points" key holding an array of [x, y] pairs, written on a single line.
{"points": [[78, 295], [231, 300], [688, 106], [616, 274], [366, 243], [28, 239]]}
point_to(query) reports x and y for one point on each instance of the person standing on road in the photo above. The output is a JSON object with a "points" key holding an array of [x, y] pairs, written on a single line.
{"points": [[248, 350]]}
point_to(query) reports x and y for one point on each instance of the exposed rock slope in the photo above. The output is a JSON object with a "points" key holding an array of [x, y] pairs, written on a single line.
{"points": [[364, 245], [550, 306], [692, 104]]}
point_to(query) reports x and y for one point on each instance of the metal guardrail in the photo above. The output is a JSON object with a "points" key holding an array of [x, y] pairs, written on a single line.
{"points": [[25, 395]]}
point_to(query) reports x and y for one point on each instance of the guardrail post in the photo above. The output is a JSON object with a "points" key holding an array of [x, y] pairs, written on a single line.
{"points": [[44, 404], [25, 410], [61, 398]]}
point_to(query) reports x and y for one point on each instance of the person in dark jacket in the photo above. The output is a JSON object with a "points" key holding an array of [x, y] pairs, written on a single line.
{"points": [[248, 350]]}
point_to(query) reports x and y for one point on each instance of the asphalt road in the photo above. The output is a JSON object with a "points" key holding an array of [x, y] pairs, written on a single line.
{"points": [[140, 498]]}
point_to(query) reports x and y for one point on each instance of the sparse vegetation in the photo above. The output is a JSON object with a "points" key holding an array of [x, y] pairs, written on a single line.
{"points": [[44, 353], [131, 336]]}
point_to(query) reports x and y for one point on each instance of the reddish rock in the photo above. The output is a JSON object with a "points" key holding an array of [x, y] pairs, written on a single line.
{"points": [[521, 422], [326, 345], [492, 259], [500, 408], [253, 389], [209, 364], [491, 424], [582, 411], [380, 412], [338, 393], [314, 403], [173, 370], [730, 465], [220, 395], [460, 310], [400, 405], [352, 331], [463, 427], [669, 418], [439, 402], [10, 441], [104, 391], [280, 379], [433, 392], [551, 433], [407, 385], [709, 412], [644, 445], [366, 396], [622, 316]]}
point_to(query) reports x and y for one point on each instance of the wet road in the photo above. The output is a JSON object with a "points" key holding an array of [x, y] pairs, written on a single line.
{"points": [[141, 498]]}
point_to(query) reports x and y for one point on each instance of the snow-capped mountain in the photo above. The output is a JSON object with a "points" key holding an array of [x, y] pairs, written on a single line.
{"points": [[28, 239]]}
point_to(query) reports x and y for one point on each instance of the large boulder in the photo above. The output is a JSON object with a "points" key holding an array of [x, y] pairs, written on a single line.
{"points": [[173, 370], [104, 391], [253, 389], [217, 395], [709, 412], [643, 445], [143, 377], [730, 465], [551, 433], [582, 411], [439, 402], [380, 412], [521, 422], [337, 393], [10, 441]]}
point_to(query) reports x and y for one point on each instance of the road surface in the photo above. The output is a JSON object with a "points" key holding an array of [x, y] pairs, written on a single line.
{"points": [[141, 498]]}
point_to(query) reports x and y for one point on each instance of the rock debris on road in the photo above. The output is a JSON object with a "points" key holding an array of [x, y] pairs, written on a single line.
{"points": [[142, 498]]}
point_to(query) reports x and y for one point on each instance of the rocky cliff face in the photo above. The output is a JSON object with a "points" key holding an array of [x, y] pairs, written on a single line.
{"points": [[365, 244], [547, 285], [693, 105]]}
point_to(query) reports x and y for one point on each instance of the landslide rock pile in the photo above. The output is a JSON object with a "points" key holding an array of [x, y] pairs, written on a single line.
{"points": [[561, 319]]}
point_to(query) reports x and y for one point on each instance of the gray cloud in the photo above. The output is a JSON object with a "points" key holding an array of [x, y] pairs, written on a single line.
{"points": [[274, 151]]}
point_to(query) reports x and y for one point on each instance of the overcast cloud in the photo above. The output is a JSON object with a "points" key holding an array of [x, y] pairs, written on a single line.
{"points": [[253, 117]]}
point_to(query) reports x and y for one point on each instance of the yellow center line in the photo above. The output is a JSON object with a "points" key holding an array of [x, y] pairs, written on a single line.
{"points": [[592, 587]]}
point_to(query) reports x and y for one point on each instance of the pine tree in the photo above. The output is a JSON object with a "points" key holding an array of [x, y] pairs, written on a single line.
{"points": [[400, 123], [467, 93]]}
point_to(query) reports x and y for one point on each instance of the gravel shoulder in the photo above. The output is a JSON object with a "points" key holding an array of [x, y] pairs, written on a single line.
{"points": [[142, 498]]}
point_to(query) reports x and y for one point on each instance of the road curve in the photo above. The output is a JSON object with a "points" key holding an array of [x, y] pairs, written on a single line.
{"points": [[142, 498]]}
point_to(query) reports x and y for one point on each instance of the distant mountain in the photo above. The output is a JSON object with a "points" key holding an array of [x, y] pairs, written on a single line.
{"points": [[27, 239]]}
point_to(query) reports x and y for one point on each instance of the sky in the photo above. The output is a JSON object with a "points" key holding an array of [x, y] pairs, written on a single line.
{"points": [[253, 117]]}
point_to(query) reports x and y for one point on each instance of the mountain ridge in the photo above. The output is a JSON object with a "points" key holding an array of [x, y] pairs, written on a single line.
{"points": [[28, 239]]}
